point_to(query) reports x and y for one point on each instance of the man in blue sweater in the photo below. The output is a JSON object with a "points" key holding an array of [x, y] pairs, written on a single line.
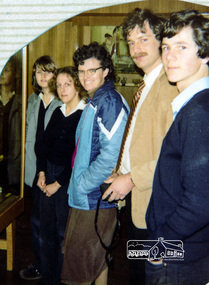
{"points": [[178, 209]]}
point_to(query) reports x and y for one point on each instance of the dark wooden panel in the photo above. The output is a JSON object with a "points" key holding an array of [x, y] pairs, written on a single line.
{"points": [[59, 42]]}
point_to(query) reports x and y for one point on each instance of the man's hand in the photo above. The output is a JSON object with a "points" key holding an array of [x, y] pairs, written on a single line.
{"points": [[111, 178], [120, 187]]}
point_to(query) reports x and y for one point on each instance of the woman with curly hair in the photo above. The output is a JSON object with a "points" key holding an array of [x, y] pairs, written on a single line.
{"points": [[98, 136]]}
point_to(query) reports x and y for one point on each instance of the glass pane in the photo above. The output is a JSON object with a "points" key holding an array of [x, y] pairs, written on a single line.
{"points": [[10, 127], [111, 37]]}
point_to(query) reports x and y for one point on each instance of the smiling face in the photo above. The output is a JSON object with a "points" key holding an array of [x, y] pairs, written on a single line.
{"points": [[91, 81], [144, 48], [43, 77], [180, 59], [66, 89]]}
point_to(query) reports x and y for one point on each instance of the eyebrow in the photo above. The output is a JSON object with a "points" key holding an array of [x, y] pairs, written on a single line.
{"points": [[176, 43], [141, 36], [68, 81]]}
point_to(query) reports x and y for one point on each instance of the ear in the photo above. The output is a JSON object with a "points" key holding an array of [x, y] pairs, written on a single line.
{"points": [[105, 72], [205, 60]]}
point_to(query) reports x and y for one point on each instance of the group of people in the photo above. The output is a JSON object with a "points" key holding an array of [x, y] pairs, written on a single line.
{"points": [[79, 134], [75, 123]]}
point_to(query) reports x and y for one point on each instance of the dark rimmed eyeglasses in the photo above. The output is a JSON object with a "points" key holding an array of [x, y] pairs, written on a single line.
{"points": [[89, 72]]}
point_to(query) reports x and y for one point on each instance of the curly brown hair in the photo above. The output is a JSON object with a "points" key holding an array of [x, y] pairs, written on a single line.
{"points": [[97, 51], [138, 17], [71, 71], [198, 23]]}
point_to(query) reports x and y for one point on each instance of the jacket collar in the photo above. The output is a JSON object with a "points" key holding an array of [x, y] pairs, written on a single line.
{"points": [[99, 92]]}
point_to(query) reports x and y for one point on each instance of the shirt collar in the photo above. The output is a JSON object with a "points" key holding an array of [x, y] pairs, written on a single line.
{"points": [[81, 105], [9, 98], [151, 77], [41, 97], [188, 93]]}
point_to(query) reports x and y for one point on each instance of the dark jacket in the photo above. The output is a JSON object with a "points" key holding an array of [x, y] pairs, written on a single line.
{"points": [[178, 208]]}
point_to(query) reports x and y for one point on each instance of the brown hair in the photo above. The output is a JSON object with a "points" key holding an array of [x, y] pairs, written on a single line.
{"points": [[138, 17], [46, 63], [71, 71]]}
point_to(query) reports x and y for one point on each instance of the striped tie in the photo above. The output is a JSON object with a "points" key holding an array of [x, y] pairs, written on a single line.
{"points": [[129, 121]]}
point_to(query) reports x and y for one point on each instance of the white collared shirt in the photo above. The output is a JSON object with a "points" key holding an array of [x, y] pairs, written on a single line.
{"points": [[149, 81], [188, 93], [51, 99], [81, 105]]}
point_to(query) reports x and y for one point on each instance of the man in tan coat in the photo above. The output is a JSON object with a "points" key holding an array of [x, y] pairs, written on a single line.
{"points": [[152, 119]]}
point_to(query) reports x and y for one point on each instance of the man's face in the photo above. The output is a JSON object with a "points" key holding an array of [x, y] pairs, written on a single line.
{"points": [[109, 41], [144, 48], [181, 60]]}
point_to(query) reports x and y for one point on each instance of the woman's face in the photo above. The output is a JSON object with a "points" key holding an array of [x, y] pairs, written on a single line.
{"points": [[66, 88], [7, 75], [43, 77], [91, 75]]}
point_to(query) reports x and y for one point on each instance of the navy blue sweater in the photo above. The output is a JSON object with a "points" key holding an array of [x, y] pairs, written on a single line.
{"points": [[58, 144], [179, 205]]}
